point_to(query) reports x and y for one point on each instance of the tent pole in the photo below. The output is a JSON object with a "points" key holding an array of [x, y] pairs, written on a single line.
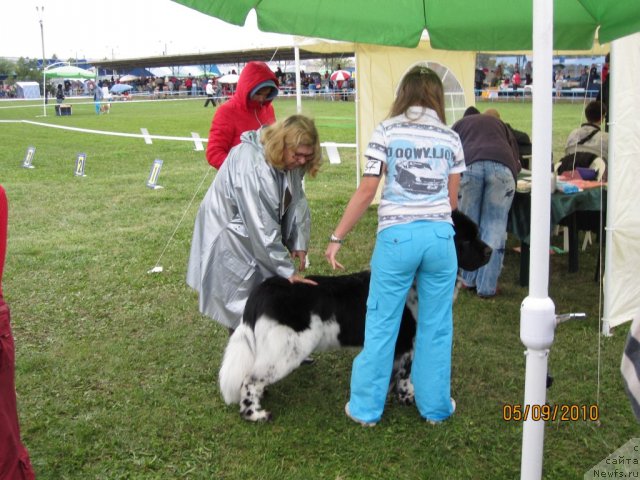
{"points": [[615, 72], [537, 315], [296, 51], [40, 10]]}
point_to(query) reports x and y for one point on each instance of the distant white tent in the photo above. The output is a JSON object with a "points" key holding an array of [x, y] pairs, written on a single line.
{"points": [[27, 90]]}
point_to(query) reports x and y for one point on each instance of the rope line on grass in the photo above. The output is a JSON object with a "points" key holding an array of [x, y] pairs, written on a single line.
{"points": [[184, 214], [139, 135]]}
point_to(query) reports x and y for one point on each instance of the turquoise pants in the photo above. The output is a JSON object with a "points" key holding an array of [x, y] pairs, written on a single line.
{"points": [[425, 251]]}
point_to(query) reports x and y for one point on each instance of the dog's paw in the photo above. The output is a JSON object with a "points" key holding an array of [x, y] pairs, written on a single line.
{"points": [[404, 392], [261, 415]]}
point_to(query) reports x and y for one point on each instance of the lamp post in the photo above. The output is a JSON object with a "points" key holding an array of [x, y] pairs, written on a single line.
{"points": [[40, 11]]}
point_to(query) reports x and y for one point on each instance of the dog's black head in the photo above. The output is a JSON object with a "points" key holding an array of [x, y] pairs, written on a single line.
{"points": [[472, 252]]}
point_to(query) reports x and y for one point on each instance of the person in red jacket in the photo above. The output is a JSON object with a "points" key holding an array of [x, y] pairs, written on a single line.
{"points": [[14, 458], [249, 109]]}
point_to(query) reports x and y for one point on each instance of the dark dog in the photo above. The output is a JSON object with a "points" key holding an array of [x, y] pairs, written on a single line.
{"points": [[283, 323]]}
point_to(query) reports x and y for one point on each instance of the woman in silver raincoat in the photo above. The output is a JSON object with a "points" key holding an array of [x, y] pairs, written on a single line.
{"points": [[254, 221]]}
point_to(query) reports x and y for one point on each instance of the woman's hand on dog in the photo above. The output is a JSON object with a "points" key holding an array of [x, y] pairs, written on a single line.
{"points": [[330, 255], [295, 278]]}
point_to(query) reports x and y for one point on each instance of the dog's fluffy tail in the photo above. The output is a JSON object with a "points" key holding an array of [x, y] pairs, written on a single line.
{"points": [[239, 357]]}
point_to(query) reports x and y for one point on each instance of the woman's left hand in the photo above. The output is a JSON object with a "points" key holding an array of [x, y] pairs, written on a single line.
{"points": [[301, 255], [330, 255]]}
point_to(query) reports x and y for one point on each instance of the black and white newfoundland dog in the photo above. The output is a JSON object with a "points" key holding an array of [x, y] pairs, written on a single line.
{"points": [[284, 323]]}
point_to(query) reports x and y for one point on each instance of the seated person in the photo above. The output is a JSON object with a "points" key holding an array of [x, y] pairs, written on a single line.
{"points": [[589, 138], [588, 142]]}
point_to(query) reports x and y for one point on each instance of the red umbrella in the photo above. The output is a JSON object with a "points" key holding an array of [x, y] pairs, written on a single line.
{"points": [[340, 76]]}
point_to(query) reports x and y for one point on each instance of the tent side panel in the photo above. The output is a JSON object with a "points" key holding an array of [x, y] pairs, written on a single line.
{"points": [[621, 286]]}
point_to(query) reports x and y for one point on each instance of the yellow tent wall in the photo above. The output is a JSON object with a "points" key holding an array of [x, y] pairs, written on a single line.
{"points": [[379, 71]]}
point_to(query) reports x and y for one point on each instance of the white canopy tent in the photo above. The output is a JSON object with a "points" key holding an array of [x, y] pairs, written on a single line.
{"points": [[27, 90], [622, 259]]}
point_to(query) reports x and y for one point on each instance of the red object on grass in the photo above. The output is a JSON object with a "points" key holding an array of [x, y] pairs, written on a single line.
{"points": [[14, 458]]}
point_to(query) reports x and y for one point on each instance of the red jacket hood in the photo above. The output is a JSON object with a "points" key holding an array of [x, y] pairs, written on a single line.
{"points": [[253, 74]]}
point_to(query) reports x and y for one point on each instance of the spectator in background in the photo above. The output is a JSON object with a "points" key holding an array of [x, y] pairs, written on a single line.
{"points": [[603, 94], [487, 189], [210, 91], [587, 143], [558, 82], [248, 109], [516, 79], [605, 69], [479, 79], [97, 97], [528, 73], [279, 75], [59, 94], [589, 138], [14, 458]]}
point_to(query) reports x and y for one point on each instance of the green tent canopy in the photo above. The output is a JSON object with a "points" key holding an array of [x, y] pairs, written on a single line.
{"points": [[451, 24], [68, 71]]}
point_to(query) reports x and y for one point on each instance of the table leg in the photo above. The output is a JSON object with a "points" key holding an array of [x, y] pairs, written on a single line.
{"points": [[573, 243], [524, 264]]}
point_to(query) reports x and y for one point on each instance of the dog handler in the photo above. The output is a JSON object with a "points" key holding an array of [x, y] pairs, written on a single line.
{"points": [[254, 221], [422, 160]]}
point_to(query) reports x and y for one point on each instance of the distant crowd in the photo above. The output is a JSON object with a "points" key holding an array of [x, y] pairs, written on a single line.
{"points": [[515, 76]]}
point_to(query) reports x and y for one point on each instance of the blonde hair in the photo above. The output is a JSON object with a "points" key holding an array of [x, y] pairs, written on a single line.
{"points": [[294, 131], [492, 112], [421, 86]]}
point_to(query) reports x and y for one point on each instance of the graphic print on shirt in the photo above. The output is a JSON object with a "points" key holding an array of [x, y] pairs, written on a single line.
{"points": [[418, 170]]}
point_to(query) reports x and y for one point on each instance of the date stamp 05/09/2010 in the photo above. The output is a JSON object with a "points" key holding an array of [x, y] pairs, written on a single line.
{"points": [[559, 412]]}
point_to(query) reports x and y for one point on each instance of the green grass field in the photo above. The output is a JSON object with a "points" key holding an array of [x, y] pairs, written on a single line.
{"points": [[117, 370]]}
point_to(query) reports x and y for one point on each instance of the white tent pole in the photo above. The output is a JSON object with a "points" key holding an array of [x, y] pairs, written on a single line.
{"points": [[296, 51], [537, 314], [40, 10], [615, 65]]}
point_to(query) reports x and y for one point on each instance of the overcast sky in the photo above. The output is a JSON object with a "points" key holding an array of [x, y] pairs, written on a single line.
{"points": [[120, 29]]}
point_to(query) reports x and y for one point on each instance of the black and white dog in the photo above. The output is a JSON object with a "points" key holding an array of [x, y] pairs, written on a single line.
{"points": [[283, 323]]}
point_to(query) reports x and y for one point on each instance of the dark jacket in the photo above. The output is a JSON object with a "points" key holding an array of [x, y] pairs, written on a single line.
{"points": [[485, 137]]}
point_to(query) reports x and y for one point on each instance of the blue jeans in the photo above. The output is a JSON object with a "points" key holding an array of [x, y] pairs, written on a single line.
{"points": [[486, 194], [425, 251]]}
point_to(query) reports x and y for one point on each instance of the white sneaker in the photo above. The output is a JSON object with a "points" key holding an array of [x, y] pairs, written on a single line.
{"points": [[436, 422], [364, 424]]}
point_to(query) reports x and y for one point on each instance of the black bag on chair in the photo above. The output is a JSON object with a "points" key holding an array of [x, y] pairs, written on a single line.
{"points": [[575, 160]]}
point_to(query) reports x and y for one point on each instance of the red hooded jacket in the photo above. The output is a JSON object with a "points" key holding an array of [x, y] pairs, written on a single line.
{"points": [[14, 458], [240, 113]]}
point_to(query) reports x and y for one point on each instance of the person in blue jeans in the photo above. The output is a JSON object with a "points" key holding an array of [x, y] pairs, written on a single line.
{"points": [[487, 188], [421, 160]]}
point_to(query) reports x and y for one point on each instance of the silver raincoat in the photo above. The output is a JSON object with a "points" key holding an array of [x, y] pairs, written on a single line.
{"points": [[249, 221]]}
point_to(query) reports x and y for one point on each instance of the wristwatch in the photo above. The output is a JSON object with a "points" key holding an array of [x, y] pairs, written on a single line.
{"points": [[334, 239]]}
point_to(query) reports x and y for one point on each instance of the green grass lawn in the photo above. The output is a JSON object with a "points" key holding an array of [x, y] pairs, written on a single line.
{"points": [[117, 370]]}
